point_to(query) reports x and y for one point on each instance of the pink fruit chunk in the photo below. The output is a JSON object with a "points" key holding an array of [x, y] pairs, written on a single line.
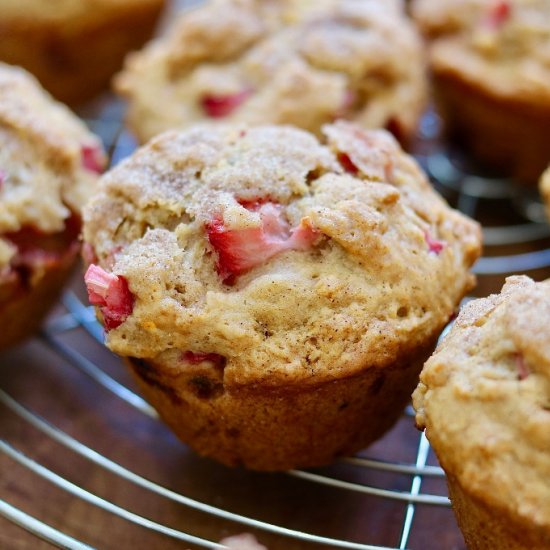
{"points": [[111, 293], [499, 12], [523, 371], [347, 164], [240, 250], [219, 106], [194, 358], [434, 245], [2, 178], [92, 158]]}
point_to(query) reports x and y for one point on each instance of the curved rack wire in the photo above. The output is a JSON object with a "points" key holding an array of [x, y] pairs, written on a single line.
{"points": [[383, 477]]}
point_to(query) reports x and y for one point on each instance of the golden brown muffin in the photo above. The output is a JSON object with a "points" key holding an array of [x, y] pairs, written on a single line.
{"points": [[491, 67], [288, 62], [545, 190], [484, 400], [74, 47], [48, 167], [275, 296]]}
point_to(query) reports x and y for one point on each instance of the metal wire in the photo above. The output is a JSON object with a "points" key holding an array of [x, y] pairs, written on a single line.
{"points": [[471, 191]]}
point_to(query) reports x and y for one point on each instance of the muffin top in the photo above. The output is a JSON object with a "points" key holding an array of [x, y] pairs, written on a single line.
{"points": [[300, 63], [484, 399], [290, 259], [501, 44], [545, 190], [49, 161]]}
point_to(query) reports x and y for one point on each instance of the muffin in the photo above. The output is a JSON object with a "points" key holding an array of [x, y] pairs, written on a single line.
{"points": [[545, 190], [49, 163], [491, 68], [74, 47], [288, 62], [484, 400], [275, 297]]}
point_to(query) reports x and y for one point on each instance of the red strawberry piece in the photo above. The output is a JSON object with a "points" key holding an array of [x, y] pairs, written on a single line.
{"points": [[36, 248], [194, 358], [111, 293], [219, 106], [347, 164], [92, 158], [499, 12], [434, 245], [523, 371], [240, 250]]}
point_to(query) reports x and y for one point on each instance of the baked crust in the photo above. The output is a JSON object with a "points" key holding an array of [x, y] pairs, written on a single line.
{"points": [[49, 163], [484, 401], [492, 78], [75, 48], [385, 268], [272, 59]]}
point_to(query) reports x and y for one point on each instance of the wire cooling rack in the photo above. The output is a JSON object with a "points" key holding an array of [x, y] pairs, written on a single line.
{"points": [[85, 463]]}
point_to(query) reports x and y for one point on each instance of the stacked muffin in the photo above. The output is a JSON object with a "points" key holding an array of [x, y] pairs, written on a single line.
{"points": [[484, 399], [275, 296], [491, 67], [49, 164], [74, 47], [300, 63]]}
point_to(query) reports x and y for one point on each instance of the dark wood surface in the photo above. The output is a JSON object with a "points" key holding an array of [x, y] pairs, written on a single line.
{"points": [[42, 381]]}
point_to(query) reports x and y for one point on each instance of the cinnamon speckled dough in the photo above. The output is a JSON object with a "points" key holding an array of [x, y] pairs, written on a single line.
{"points": [[43, 185], [300, 63], [74, 46], [491, 65], [545, 190], [343, 324], [484, 399]]}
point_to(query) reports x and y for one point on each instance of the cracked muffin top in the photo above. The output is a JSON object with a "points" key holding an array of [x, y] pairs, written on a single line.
{"points": [[502, 43], [286, 258], [49, 162], [259, 62], [484, 399]]}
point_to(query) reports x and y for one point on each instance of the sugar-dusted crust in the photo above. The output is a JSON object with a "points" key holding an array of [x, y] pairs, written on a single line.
{"points": [[545, 190], [74, 47], [300, 63], [484, 399], [366, 299], [492, 74], [48, 169]]}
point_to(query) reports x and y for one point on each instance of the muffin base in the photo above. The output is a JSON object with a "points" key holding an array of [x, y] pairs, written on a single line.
{"points": [[267, 428], [23, 306], [75, 61], [508, 136], [485, 528]]}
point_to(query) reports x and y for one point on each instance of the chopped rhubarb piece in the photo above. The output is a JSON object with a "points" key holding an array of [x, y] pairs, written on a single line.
{"points": [[2, 178], [92, 158], [434, 245], [499, 12], [347, 164], [111, 294], [523, 371], [219, 106], [240, 250], [196, 358]]}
